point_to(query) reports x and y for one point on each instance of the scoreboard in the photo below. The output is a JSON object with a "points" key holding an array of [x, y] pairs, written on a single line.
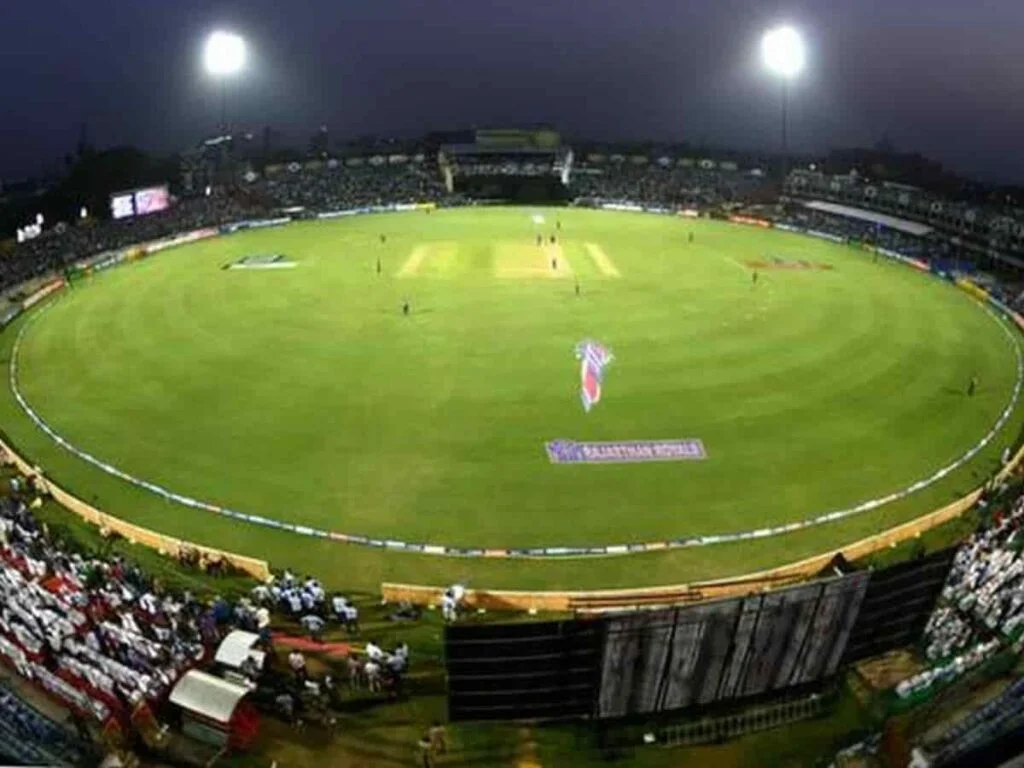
{"points": [[139, 202]]}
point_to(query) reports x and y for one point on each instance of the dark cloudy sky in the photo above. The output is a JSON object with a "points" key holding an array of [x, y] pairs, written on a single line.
{"points": [[945, 77]]}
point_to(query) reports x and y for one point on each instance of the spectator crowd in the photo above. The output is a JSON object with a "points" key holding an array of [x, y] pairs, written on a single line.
{"points": [[656, 185], [97, 633], [104, 637], [59, 247], [984, 594], [981, 607], [327, 188]]}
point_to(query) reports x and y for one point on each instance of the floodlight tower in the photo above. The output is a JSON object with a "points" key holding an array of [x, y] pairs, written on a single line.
{"points": [[223, 57], [782, 50]]}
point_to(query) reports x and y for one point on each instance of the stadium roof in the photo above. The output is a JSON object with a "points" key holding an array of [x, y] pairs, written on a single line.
{"points": [[483, 149], [903, 225]]}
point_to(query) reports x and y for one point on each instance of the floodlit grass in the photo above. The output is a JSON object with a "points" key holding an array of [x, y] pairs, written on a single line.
{"points": [[306, 395]]}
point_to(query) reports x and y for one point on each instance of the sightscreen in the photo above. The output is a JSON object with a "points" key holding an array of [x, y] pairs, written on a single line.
{"points": [[674, 659], [543, 670], [730, 649], [897, 605]]}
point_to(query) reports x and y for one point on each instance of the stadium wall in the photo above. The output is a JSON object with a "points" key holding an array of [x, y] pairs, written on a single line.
{"points": [[165, 545], [760, 581]]}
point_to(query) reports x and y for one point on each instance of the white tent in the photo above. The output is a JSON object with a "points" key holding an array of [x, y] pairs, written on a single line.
{"points": [[236, 648], [208, 696]]}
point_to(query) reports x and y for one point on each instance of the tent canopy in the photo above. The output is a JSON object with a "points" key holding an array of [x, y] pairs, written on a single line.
{"points": [[236, 648], [208, 696]]}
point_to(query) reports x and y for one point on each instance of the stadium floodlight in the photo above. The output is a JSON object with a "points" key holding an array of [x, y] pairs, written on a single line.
{"points": [[224, 54], [783, 52], [223, 57]]}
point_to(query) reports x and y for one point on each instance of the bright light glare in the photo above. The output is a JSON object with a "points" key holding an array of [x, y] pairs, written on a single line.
{"points": [[783, 51], [224, 53]]}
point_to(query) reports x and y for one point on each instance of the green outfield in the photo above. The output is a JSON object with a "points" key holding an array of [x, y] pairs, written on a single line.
{"points": [[305, 395]]}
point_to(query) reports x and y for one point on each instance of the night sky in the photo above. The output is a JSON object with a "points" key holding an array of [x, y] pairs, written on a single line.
{"points": [[944, 77]]}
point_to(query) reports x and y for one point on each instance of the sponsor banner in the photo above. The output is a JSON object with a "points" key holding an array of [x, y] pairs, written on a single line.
{"points": [[106, 261], [622, 207], [916, 263], [972, 289], [186, 237], [238, 226], [763, 223], [789, 228], [97, 261], [649, 209], [265, 265], [689, 213], [826, 236], [346, 212], [263, 261], [777, 263], [42, 293], [624, 452], [392, 208]]}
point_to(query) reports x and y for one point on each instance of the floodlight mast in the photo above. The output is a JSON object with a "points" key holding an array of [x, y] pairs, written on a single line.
{"points": [[782, 50], [223, 57]]}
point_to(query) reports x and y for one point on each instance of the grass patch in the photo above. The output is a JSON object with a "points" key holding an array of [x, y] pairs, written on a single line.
{"points": [[305, 395]]}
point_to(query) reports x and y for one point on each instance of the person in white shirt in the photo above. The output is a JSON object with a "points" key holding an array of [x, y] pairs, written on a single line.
{"points": [[374, 652], [338, 604], [308, 600], [449, 606], [297, 663], [351, 619], [346, 613], [148, 603], [260, 594], [129, 623], [372, 672], [262, 617], [402, 651]]}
